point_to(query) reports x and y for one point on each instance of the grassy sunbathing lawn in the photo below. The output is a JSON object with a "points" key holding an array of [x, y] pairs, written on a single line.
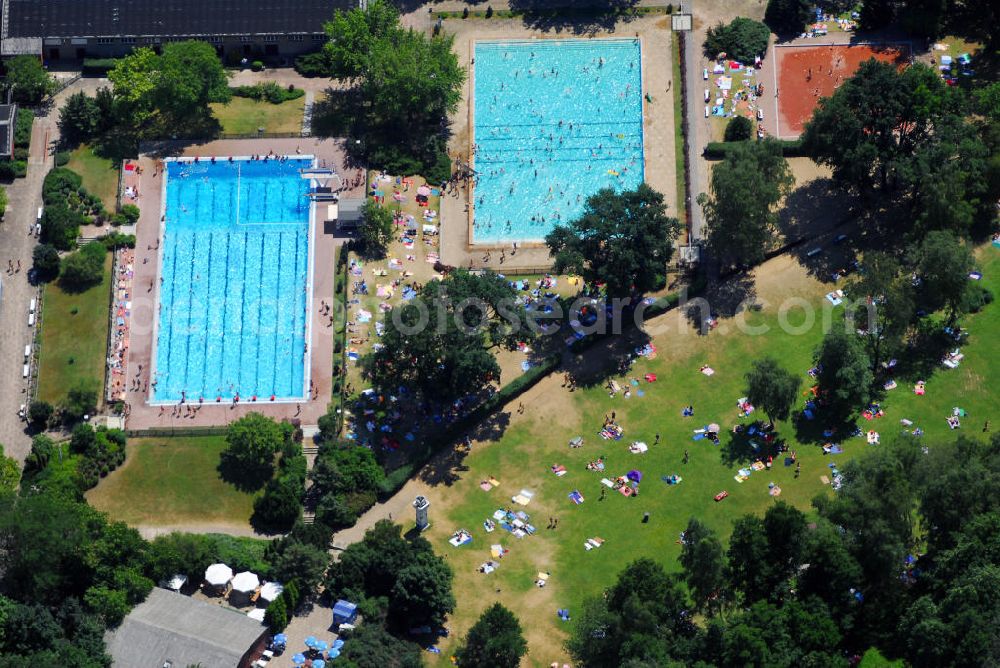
{"points": [[245, 116], [74, 339], [535, 441], [172, 481], [100, 175]]}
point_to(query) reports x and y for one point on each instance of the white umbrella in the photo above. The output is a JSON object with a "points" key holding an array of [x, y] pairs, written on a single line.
{"points": [[257, 614], [245, 582], [218, 575], [271, 591]]}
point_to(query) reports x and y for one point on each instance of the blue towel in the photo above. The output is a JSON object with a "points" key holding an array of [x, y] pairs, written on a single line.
{"points": [[697, 437]]}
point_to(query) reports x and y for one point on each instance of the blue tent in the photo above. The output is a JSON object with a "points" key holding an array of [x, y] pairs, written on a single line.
{"points": [[344, 612]]}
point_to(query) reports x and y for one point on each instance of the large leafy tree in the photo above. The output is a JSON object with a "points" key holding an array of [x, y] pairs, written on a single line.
{"points": [[772, 387], [845, 374], [741, 39], [376, 228], [883, 305], [944, 266], [741, 207], [621, 239], [405, 82], [439, 342], [747, 559], [251, 444], [169, 91], [704, 565], [28, 80], [84, 268], [787, 17], [495, 641], [79, 119]]}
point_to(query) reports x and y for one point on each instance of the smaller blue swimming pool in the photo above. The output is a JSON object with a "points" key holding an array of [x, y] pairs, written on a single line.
{"points": [[234, 297], [555, 121]]}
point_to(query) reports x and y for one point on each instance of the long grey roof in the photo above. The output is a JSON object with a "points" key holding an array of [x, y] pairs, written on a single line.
{"points": [[184, 631], [136, 18]]}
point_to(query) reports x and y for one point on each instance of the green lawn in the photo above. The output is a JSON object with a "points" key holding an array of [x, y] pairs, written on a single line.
{"points": [[245, 116], [100, 175], [74, 339], [522, 457], [170, 481]]}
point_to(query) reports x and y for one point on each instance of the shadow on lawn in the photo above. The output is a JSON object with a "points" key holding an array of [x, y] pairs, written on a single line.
{"points": [[580, 17], [721, 299], [446, 469]]}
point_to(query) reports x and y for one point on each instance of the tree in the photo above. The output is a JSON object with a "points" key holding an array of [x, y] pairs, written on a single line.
{"points": [[845, 375], [79, 119], [772, 387], [884, 306], [276, 615], [787, 17], [742, 39], [10, 473], [747, 558], [276, 510], [402, 78], [704, 565], [785, 528], [739, 128], [621, 239], [28, 80], [944, 265], [294, 561], [439, 341], [39, 413], [741, 209], [60, 226], [495, 641], [80, 401], [3, 202], [84, 268], [372, 647], [377, 228], [422, 592], [343, 468], [251, 443], [45, 261]]}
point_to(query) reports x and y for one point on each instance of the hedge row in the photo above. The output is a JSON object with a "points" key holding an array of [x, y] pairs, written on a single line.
{"points": [[397, 478], [98, 66], [790, 148]]}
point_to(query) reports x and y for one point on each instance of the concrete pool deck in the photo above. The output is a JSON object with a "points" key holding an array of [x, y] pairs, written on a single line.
{"points": [[658, 132], [143, 415]]}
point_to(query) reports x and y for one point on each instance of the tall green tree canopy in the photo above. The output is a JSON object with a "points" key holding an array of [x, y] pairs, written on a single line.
{"points": [[787, 17], [494, 641], [944, 266], [741, 206], [621, 239], [741, 39], [772, 388], [884, 305], [405, 84], [704, 565], [845, 374], [376, 229], [79, 119], [28, 80], [439, 342], [251, 444]]}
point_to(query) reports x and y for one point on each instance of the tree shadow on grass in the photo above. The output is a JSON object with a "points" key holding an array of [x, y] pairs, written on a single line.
{"points": [[721, 299], [244, 479], [927, 347], [814, 208], [445, 468], [580, 17]]}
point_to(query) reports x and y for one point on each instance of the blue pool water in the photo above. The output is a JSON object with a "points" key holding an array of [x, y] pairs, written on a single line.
{"points": [[233, 302], [555, 121]]}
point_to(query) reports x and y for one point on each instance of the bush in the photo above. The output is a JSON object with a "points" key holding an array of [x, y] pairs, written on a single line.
{"points": [[79, 402], [59, 184], [22, 127], [62, 158], [60, 226], [98, 66], [119, 219], [45, 261], [114, 240], [742, 39], [20, 153], [131, 213], [84, 268], [316, 64], [256, 66], [279, 507], [13, 169], [39, 413], [976, 297], [739, 128], [276, 615], [269, 92], [489, 11], [790, 148]]}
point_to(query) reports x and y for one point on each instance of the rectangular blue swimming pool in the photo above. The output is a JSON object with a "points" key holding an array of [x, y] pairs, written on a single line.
{"points": [[233, 299], [555, 121]]}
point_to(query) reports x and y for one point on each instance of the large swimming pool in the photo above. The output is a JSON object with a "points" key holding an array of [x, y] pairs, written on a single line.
{"points": [[233, 298], [555, 121]]}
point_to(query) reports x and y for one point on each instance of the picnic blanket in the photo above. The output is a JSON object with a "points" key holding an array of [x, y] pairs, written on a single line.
{"points": [[707, 370], [523, 498], [559, 469], [638, 447], [592, 543], [576, 497], [836, 297]]}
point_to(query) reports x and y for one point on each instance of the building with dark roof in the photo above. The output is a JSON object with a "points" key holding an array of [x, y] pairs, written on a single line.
{"points": [[170, 629], [76, 29]]}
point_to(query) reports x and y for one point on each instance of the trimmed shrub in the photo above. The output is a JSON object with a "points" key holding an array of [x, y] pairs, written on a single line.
{"points": [[315, 64], [269, 92], [257, 66], [62, 158], [790, 148], [98, 66], [130, 212], [739, 128]]}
